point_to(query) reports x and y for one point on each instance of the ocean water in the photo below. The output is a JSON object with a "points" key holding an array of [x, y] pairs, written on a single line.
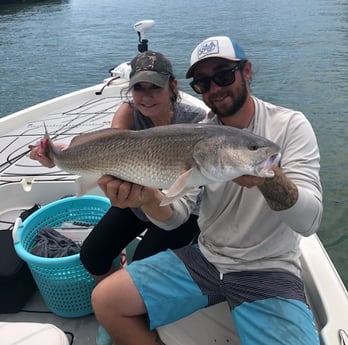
{"points": [[299, 50]]}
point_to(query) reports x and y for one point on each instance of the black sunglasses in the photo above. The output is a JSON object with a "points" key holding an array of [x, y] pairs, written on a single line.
{"points": [[221, 78]]}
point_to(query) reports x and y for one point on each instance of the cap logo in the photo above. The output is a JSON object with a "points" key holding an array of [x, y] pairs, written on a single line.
{"points": [[145, 63], [208, 47]]}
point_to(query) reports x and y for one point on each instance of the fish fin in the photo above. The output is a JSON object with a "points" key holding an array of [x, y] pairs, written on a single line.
{"points": [[178, 188], [180, 184], [84, 184], [170, 199], [47, 146]]}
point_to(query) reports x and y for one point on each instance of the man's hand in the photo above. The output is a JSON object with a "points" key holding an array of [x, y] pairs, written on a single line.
{"points": [[124, 194], [279, 191], [249, 181]]}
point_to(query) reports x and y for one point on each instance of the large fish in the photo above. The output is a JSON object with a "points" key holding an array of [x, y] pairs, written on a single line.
{"points": [[175, 158]]}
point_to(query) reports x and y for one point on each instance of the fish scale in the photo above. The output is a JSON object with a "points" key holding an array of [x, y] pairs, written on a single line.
{"points": [[154, 162]]}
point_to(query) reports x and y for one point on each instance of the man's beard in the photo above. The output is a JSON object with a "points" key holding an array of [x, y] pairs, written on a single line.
{"points": [[238, 99]]}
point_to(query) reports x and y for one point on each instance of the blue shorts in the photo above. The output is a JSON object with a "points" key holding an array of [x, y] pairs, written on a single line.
{"points": [[267, 307]]}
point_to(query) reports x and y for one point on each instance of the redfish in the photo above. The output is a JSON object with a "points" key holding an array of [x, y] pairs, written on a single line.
{"points": [[174, 158]]}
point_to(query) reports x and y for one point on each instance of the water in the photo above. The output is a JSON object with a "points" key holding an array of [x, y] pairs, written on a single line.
{"points": [[299, 50]]}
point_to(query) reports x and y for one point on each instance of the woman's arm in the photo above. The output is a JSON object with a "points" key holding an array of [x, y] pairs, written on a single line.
{"points": [[123, 117]]}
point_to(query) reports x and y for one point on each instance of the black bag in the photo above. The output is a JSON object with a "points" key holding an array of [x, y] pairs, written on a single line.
{"points": [[16, 281]]}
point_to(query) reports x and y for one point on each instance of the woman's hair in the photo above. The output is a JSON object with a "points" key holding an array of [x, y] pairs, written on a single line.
{"points": [[175, 98]]}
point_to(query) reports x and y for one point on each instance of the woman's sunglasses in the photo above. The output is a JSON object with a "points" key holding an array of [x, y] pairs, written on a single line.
{"points": [[221, 78]]}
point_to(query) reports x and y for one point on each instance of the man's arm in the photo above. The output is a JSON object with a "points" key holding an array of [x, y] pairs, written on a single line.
{"points": [[279, 191]]}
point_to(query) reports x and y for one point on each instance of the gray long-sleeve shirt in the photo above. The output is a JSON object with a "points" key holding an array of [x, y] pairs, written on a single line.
{"points": [[239, 231]]}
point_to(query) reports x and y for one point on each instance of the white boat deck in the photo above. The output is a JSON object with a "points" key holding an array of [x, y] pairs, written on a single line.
{"points": [[71, 120]]}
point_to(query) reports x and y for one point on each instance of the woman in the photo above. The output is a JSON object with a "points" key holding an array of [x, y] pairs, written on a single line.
{"points": [[155, 102]]}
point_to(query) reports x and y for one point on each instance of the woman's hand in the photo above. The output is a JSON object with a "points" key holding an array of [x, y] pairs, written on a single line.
{"points": [[38, 153]]}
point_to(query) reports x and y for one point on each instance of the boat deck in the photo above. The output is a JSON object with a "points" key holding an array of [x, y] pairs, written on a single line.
{"points": [[81, 330], [73, 120]]}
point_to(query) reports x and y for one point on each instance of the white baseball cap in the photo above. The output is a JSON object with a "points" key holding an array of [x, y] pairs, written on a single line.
{"points": [[216, 46]]}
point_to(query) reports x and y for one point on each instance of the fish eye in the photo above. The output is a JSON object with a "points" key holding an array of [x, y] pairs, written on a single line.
{"points": [[253, 147]]}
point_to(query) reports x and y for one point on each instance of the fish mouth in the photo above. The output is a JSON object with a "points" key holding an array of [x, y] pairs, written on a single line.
{"points": [[264, 168]]}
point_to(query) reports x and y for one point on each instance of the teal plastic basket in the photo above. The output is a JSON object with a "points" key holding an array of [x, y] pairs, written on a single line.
{"points": [[64, 283]]}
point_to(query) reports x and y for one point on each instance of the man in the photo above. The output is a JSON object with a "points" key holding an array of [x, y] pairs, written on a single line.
{"points": [[250, 228]]}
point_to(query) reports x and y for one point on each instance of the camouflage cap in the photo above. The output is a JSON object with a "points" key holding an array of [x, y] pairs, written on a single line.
{"points": [[150, 67]]}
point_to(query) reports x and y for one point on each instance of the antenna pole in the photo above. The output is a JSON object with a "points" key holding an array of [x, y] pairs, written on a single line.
{"points": [[141, 28]]}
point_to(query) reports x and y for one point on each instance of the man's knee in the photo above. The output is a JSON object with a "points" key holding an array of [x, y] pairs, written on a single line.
{"points": [[116, 293], [105, 294], [99, 298]]}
